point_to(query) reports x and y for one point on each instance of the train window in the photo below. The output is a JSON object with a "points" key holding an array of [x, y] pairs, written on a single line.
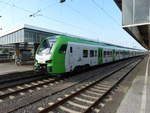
{"points": [[85, 53], [70, 49], [110, 53], [95, 53], [105, 53], [91, 53], [63, 48]]}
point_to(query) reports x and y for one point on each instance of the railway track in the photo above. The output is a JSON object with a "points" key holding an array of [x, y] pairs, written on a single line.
{"points": [[12, 94], [9, 92], [86, 98], [19, 80]]}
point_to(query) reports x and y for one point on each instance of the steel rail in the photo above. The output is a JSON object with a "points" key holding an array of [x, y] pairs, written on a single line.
{"points": [[55, 105], [38, 85], [24, 80], [25, 89], [89, 110]]}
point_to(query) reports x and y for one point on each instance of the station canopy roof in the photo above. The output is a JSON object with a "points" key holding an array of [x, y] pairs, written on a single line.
{"points": [[136, 19]]}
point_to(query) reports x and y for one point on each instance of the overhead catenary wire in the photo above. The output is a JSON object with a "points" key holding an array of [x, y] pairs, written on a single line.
{"points": [[38, 13], [60, 21], [89, 20], [69, 24], [49, 5], [56, 20], [49, 18], [2, 8], [105, 12], [13, 5], [1, 28], [85, 17], [100, 8]]}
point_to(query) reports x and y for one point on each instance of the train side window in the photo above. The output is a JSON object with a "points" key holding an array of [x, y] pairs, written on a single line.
{"points": [[85, 53], [108, 53], [70, 49], [91, 53], [63, 49], [105, 53], [95, 53]]}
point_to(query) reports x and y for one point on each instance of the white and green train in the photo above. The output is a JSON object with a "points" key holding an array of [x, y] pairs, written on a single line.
{"points": [[60, 54]]}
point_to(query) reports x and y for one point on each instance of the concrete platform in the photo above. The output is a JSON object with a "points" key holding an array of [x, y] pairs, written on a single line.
{"points": [[137, 99], [8, 68]]}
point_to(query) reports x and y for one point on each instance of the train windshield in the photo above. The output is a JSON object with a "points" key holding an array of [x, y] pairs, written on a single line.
{"points": [[46, 46]]}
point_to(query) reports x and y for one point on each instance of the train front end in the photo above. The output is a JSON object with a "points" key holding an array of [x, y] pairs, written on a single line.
{"points": [[44, 54]]}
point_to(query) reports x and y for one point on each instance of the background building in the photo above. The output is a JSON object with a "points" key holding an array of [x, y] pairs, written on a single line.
{"points": [[24, 39]]}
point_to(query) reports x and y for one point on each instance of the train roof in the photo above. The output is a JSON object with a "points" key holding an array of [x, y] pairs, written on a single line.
{"points": [[102, 44]]}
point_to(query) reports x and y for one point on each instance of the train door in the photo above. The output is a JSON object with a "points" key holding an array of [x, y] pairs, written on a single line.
{"points": [[68, 58], [114, 55], [100, 55], [75, 56], [105, 55], [95, 57], [110, 55], [120, 55], [85, 57], [92, 57], [71, 58]]}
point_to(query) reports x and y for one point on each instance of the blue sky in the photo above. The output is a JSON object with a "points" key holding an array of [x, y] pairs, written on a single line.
{"points": [[101, 22]]}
